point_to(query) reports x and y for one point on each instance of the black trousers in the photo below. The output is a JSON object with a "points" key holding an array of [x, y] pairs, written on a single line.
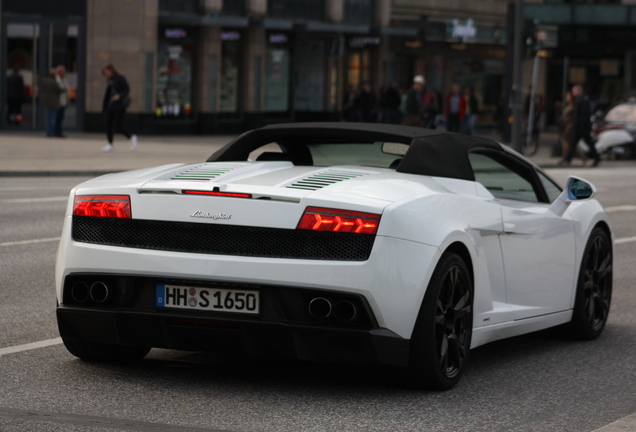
{"points": [[453, 123], [115, 123], [573, 144]]}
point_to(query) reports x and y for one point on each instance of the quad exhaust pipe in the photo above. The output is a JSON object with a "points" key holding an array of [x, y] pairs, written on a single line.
{"points": [[99, 292], [80, 292], [342, 311], [320, 308]]}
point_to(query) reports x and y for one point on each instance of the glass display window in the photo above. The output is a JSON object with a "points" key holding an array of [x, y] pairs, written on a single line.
{"points": [[231, 65], [277, 73], [175, 72]]}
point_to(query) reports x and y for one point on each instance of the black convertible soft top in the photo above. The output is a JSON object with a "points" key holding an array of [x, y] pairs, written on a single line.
{"points": [[431, 152]]}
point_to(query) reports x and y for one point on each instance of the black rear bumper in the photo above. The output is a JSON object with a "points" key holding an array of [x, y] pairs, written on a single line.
{"points": [[257, 338]]}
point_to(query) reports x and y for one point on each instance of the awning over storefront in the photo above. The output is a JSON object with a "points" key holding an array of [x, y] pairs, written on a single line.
{"points": [[197, 20]]}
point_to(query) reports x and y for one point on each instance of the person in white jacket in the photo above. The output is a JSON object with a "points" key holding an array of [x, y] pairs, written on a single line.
{"points": [[62, 82]]}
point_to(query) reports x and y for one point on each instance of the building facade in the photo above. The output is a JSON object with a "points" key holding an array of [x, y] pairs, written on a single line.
{"points": [[212, 66], [594, 45]]}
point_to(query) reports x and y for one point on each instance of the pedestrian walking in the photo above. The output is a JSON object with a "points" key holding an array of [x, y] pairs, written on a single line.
{"points": [[116, 100], [567, 123], [582, 127], [455, 109], [349, 104], [15, 97], [392, 100], [413, 113], [62, 82], [51, 92], [367, 104], [472, 109]]}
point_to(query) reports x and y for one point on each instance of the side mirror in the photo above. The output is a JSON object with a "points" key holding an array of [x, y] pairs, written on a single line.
{"points": [[576, 189], [579, 189]]}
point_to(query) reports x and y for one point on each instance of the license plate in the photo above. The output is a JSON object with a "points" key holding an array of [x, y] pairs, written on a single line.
{"points": [[210, 299]]}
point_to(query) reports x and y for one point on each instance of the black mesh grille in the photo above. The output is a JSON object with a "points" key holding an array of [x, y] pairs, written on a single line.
{"points": [[222, 239]]}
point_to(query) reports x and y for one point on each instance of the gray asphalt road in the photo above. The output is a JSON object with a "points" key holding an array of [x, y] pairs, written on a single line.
{"points": [[538, 382]]}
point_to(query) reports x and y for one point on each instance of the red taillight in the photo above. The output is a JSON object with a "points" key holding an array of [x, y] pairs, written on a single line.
{"points": [[223, 194], [334, 220], [113, 206]]}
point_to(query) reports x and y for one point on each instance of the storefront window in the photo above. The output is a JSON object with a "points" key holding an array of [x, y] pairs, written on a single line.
{"points": [[174, 75], [358, 11], [180, 6], [277, 73], [359, 67], [309, 75], [486, 77], [233, 8], [296, 9], [230, 71]]}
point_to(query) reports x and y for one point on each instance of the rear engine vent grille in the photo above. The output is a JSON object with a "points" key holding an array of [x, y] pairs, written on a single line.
{"points": [[204, 238], [204, 172], [324, 179]]}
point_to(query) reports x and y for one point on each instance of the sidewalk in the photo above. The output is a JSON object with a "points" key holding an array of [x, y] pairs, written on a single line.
{"points": [[33, 154], [30, 153]]}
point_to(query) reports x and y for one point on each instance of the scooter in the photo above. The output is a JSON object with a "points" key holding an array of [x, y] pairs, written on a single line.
{"points": [[617, 143]]}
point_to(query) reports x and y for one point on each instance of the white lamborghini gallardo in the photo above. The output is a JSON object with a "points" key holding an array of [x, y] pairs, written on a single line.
{"points": [[333, 242]]}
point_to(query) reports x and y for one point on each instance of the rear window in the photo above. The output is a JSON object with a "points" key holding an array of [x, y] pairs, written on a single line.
{"points": [[377, 154]]}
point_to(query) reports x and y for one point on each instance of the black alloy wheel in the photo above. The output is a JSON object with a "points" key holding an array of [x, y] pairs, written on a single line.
{"points": [[594, 290], [441, 339]]}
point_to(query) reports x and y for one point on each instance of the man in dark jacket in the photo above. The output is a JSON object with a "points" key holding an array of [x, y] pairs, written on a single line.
{"points": [[15, 96], [392, 101], [582, 127], [413, 114], [51, 98]]}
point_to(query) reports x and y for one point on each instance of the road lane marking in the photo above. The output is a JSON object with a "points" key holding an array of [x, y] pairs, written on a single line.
{"points": [[625, 240], [24, 242], [22, 417], [34, 200], [620, 208], [30, 346], [625, 424]]}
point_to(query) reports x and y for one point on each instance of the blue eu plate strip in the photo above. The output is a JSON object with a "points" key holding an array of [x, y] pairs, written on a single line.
{"points": [[160, 298]]}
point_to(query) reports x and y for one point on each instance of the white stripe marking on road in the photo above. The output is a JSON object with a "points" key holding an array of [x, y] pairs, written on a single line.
{"points": [[24, 242], [620, 208], [30, 346], [35, 200], [625, 240]]}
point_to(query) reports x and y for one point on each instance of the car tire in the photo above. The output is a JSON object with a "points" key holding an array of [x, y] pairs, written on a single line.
{"points": [[101, 352], [594, 288], [443, 331]]}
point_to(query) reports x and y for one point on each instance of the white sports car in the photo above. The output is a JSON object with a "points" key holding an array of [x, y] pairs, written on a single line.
{"points": [[335, 242]]}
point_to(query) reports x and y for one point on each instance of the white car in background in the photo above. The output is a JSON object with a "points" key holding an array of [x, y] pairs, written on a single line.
{"points": [[335, 242]]}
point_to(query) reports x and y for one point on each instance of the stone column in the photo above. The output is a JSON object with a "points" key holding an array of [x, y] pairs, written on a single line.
{"points": [[256, 8], [335, 11], [382, 13], [121, 32], [212, 6], [255, 49]]}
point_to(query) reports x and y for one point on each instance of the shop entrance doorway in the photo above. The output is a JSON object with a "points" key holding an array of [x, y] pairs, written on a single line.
{"points": [[30, 48]]}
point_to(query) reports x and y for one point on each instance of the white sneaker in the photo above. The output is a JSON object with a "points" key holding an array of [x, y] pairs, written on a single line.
{"points": [[133, 142], [108, 148]]}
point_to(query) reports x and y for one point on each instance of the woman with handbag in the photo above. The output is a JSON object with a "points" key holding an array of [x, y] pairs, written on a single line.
{"points": [[116, 100]]}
